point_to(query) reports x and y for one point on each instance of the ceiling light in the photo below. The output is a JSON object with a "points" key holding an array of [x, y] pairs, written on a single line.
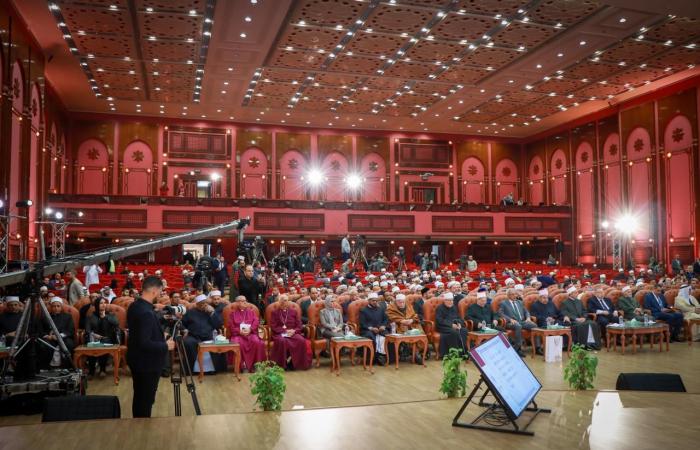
{"points": [[193, 12], [559, 55], [582, 43], [539, 66], [230, 69], [113, 7], [243, 35], [622, 20]]}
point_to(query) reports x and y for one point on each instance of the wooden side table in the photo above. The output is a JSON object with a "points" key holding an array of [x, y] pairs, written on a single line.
{"points": [[83, 351], [544, 332], [338, 344], [660, 330], [219, 348], [398, 339], [478, 338]]}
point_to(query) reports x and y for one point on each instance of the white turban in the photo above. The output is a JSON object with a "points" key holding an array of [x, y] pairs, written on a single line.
{"points": [[510, 281], [519, 287], [544, 292], [200, 298], [372, 295], [213, 293], [481, 294], [11, 298], [400, 297], [56, 300], [448, 296], [376, 283], [395, 289], [626, 289], [571, 289]]}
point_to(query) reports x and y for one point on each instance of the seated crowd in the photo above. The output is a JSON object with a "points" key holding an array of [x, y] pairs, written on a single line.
{"points": [[281, 317]]}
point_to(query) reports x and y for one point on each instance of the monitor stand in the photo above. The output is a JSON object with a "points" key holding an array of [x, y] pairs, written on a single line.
{"points": [[494, 416]]}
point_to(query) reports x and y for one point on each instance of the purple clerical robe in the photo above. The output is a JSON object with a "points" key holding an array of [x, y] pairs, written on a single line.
{"points": [[284, 347], [252, 347]]}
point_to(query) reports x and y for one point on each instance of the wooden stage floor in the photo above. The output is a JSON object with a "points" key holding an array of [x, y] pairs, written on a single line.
{"points": [[390, 409]]}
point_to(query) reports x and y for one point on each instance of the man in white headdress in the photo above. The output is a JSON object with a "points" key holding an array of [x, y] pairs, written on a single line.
{"points": [[689, 306]]}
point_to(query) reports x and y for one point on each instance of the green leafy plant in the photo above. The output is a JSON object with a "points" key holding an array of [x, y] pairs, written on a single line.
{"points": [[454, 380], [267, 384], [580, 371]]}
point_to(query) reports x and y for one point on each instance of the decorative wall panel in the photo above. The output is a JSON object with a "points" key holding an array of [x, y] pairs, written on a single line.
{"points": [[283, 221], [194, 143], [532, 225], [111, 218], [436, 154], [374, 223], [196, 219], [462, 224]]}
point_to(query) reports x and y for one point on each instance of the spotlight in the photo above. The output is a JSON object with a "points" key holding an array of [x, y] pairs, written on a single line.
{"points": [[59, 215], [353, 181], [48, 211], [81, 214], [24, 203], [626, 224], [215, 176], [605, 224], [315, 177]]}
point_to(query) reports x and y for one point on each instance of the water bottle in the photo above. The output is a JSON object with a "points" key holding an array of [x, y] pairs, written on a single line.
{"points": [[346, 329], [621, 321], [646, 319], [214, 335], [119, 339], [393, 327], [91, 337]]}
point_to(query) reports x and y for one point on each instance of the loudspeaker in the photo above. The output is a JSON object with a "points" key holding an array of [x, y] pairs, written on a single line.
{"points": [[664, 382], [81, 407]]}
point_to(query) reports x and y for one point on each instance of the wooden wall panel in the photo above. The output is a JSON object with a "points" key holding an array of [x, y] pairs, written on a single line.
{"points": [[111, 218], [462, 224], [284, 221], [360, 223], [195, 219]]}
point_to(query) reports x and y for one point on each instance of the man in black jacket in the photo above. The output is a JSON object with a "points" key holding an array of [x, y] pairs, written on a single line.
{"points": [[147, 347], [252, 288]]}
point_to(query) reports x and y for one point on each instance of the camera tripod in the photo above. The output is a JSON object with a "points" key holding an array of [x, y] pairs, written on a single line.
{"points": [[258, 256], [358, 255], [183, 372], [25, 341]]}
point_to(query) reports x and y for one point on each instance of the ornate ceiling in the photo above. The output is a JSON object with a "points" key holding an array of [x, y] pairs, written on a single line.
{"points": [[489, 67]]}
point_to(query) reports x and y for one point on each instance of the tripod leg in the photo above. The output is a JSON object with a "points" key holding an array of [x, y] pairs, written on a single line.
{"points": [[61, 345]]}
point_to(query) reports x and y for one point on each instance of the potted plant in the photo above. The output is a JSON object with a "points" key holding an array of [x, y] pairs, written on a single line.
{"points": [[454, 380], [267, 384], [580, 371]]}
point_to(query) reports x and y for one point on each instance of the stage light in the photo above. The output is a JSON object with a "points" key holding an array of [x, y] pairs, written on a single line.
{"points": [[315, 177], [81, 214], [626, 224], [605, 224], [215, 176], [59, 215], [353, 181], [48, 211]]}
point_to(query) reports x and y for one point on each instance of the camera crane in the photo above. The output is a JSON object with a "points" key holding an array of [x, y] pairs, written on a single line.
{"points": [[29, 279]]}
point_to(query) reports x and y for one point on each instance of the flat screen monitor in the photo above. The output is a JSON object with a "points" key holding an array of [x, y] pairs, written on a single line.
{"points": [[508, 377]]}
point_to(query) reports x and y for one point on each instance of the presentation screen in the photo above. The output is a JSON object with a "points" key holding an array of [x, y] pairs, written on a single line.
{"points": [[506, 374]]}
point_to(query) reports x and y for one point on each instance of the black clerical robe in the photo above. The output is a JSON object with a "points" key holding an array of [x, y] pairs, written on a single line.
{"points": [[449, 337]]}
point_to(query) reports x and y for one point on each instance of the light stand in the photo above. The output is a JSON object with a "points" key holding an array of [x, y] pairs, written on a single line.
{"points": [[5, 221]]}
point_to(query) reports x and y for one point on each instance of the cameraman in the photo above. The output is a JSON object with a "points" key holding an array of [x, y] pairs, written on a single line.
{"points": [[147, 347]]}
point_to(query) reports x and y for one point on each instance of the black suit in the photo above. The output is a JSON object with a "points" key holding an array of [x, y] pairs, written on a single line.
{"points": [[145, 356], [596, 304]]}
